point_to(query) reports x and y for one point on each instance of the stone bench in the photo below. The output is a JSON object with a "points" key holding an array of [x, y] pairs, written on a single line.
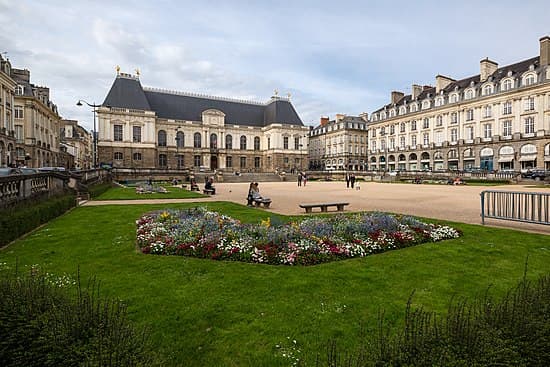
{"points": [[264, 201], [208, 191], [324, 207]]}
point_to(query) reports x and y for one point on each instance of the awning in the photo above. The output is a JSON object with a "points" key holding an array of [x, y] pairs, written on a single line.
{"points": [[528, 158], [505, 158]]}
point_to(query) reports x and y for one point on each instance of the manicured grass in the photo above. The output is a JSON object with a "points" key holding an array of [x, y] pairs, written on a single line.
{"points": [[129, 193], [210, 313]]}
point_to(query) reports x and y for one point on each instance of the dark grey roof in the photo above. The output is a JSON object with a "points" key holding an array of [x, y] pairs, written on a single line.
{"points": [[127, 92], [502, 72]]}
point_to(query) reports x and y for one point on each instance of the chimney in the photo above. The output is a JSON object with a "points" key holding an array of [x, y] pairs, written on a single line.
{"points": [[340, 117], [442, 81], [416, 90], [544, 51], [486, 68], [324, 120], [364, 116], [396, 96]]}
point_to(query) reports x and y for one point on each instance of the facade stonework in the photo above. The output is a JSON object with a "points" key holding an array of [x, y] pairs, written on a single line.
{"points": [[7, 132], [340, 144], [497, 120], [77, 142], [256, 139]]}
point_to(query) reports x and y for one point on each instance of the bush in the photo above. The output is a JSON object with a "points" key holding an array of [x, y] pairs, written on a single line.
{"points": [[17, 221], [44, 325], [512, 331], [99, 189]]}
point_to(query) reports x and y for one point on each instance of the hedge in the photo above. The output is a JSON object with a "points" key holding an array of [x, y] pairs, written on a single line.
{"points": [[99, 189], [17, 221], [43, 324]]}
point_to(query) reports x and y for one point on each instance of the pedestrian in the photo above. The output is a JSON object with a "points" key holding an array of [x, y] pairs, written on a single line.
{"points": [[304, 178], [347, 181], [299, 178], [352, 180]]}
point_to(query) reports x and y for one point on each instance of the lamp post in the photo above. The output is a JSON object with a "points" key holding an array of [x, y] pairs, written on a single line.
{"points": [[94, 136]]}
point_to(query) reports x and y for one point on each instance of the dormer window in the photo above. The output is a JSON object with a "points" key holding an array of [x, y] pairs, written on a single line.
{"points": [[469, 94], [425, 105], [488, 89], [507, 84], [439, 101], [402, 110], [453, 98], [509, 74], [529, 79], [19, 90], [414, 108]]}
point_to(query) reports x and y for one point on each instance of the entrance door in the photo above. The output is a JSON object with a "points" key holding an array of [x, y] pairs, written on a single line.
{"points": [[213, 162]]}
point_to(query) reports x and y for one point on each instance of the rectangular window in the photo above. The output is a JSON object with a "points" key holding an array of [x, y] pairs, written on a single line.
{"points": [[454, 118], [413, 141], [469, 115], [487, 111], [507, 128], [392, 129], [19, 133], [529, 125], [117, 132], [426, 139], [256, 162], [229, 162], [18, 112], [413, 125], [426, 123], [438, 137], [285, 142], [470, 133], [439, 120], [507, 108], [296, 143], [487, 130], [243, 162], [136, 134], [530, 104], [454, 135], [197, 161]]}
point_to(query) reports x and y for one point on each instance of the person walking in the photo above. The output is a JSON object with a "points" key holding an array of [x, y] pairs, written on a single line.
{"points": [[352, 180], [304, 178], [299, 178], [347, 181]]}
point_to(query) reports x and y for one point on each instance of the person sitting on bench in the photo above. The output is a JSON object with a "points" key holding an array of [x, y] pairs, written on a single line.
{"points": [[194, 186], [209, 186], [250, 196]]}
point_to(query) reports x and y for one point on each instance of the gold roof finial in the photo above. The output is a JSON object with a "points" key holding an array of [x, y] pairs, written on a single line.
{"points": [[137, 72], [117, 69], [276, 92], [289, 95]]}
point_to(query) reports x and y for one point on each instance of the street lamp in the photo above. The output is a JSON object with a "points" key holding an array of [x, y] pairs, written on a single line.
{"points": [[94, 136]]}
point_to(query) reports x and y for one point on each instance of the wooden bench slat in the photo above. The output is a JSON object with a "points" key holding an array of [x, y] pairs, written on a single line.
{"points": [[323, 206]]}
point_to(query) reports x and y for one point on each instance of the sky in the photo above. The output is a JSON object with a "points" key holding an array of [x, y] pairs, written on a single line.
{"points": [[331, 56]]}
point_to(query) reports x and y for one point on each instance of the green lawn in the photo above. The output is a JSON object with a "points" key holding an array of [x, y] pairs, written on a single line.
{"points": [[129, 193], [209, 313]]}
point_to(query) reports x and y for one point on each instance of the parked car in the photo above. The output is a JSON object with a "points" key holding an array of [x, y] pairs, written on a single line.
{"points": [[535, 174], [28, 171], [8, 171]]}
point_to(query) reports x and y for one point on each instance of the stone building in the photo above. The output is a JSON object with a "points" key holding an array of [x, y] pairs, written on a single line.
{"points": [[7, 132], [36, 123], [339, 144], [153, 128], [498, 119], [76, 141]]}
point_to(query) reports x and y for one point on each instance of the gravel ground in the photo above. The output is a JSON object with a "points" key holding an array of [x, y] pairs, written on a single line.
{"points": [[455, 203]]}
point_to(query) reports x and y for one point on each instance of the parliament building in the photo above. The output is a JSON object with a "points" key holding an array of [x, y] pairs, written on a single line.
{"points": [[143, 127]]}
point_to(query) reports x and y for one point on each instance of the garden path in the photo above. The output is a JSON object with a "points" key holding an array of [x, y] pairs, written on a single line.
{"points": [[447, 202]]}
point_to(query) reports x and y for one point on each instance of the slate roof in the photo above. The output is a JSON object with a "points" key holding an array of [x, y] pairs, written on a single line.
{"points": [[502, 72], [127, 92]]}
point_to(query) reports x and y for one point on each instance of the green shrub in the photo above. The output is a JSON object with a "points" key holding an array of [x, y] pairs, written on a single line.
{"points": [[43, 324], [17, 221], [512, 331], [99, 189]]}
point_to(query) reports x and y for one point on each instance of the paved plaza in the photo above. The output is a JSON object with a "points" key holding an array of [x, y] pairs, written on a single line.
{"points": [[455, 203]]}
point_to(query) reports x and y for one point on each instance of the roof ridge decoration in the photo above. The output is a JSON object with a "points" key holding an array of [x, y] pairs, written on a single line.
{"points": [[217, 98]]}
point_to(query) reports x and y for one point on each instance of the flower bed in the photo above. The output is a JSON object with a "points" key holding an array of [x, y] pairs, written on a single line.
{"points": [[201, 233]]}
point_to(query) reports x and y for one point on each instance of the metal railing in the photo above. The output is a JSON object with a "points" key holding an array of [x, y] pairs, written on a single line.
{"points": [[529, 207]]}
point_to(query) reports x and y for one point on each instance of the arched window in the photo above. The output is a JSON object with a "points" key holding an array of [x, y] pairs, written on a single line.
{"points": [[213, 141], [118, 156], [425, 156], [137, 156], [454, 98], [256, 143], [412, 157], [488, 89], [162, 138], [228, 142], [243, 142], [197, 140], [469, 94], [507, 84], [180, 139], [529, 79]]}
